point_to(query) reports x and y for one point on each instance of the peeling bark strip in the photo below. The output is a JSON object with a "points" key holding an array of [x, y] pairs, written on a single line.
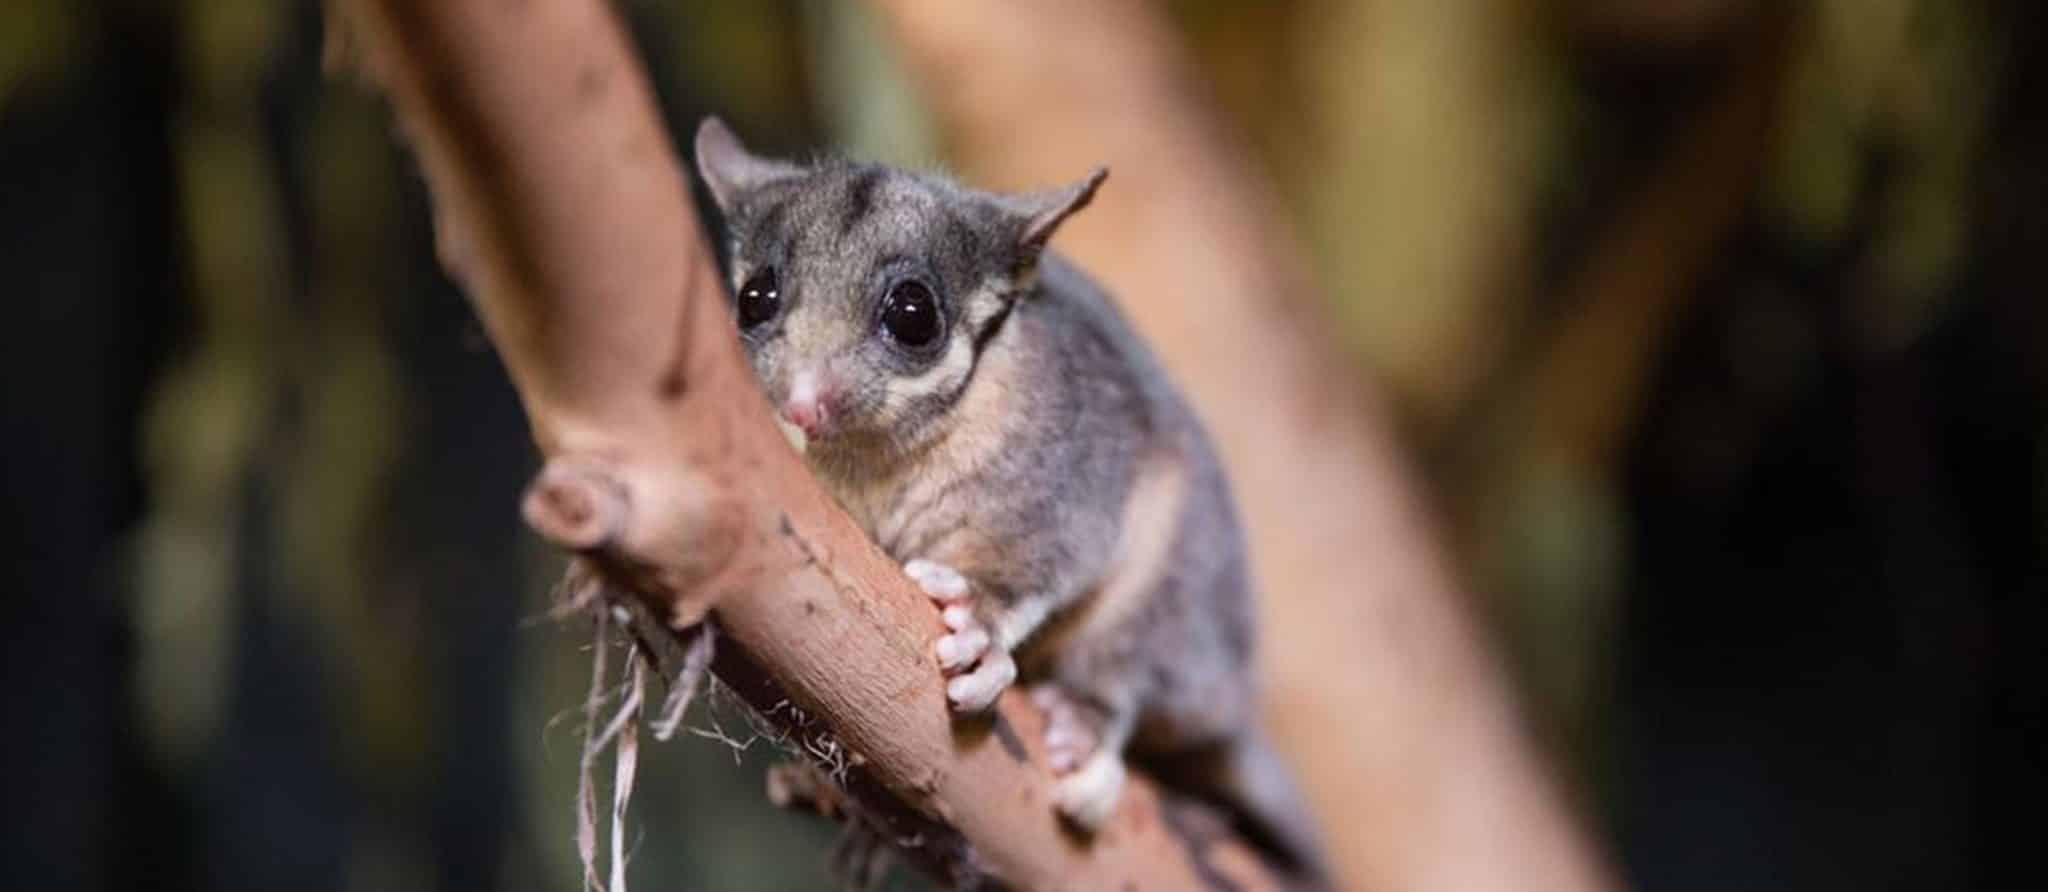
{"points": [[560, 207]]}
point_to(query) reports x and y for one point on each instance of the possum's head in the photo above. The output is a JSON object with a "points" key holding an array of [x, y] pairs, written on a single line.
{"points": [[865, 295]]}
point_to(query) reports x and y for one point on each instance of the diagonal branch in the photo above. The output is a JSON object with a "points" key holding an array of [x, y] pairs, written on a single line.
{"points": [[560, 208]]}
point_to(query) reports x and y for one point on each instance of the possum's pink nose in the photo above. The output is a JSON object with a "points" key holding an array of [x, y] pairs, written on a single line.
{"points": [[811, 417], [809, 406]]}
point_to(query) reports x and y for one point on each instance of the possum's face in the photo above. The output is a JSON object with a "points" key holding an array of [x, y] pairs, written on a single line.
{"points": [[864, 295], [861, 295]]}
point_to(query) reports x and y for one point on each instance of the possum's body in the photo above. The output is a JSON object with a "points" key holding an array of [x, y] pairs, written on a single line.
{"points": [[985, 413]]}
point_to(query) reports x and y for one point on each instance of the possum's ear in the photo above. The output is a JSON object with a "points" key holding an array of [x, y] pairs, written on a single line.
{"points": [[729, 169], [1043, 212]]}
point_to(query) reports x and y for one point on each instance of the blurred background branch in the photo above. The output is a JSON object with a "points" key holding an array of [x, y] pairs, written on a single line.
{"points": [[1361, 617]]}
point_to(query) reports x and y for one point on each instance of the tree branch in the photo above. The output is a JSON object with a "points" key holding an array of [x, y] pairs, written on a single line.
{"points": [[561, 209], [1383, 693]]}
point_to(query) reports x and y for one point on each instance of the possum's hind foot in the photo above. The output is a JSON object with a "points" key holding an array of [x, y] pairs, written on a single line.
{"points": [[1090, 765], [1088, 797], [1069, 737]]}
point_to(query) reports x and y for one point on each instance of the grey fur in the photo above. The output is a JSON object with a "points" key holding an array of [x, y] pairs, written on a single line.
{"points": [[1034, 521]]}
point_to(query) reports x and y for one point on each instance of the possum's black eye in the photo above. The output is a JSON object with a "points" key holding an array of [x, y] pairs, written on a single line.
{"points": [[760, 298], [910, 315]]}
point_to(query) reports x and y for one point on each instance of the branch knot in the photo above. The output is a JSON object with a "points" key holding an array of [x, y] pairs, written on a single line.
{"points": [[576, 505]]}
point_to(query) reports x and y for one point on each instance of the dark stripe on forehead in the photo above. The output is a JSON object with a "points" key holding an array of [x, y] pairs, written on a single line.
{"points": [[860, 197]]}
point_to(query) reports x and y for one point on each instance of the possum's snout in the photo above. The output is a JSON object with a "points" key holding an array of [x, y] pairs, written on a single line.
{"points": [[813, 402]]}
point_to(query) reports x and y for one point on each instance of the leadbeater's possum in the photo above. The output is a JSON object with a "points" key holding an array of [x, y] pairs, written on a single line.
{"points": [[989, 418]]}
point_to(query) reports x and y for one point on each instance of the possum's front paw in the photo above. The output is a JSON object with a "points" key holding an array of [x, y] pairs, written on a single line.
{"points": [[978, 670]]}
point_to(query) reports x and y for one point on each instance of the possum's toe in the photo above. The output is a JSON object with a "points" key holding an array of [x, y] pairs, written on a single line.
{"points": [[967, 643], [976, 691], [1088, 797], [944, 584], [960, 649]]}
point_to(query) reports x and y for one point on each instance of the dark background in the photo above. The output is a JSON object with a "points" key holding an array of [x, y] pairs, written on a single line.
{"points": [[273, 623]]}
